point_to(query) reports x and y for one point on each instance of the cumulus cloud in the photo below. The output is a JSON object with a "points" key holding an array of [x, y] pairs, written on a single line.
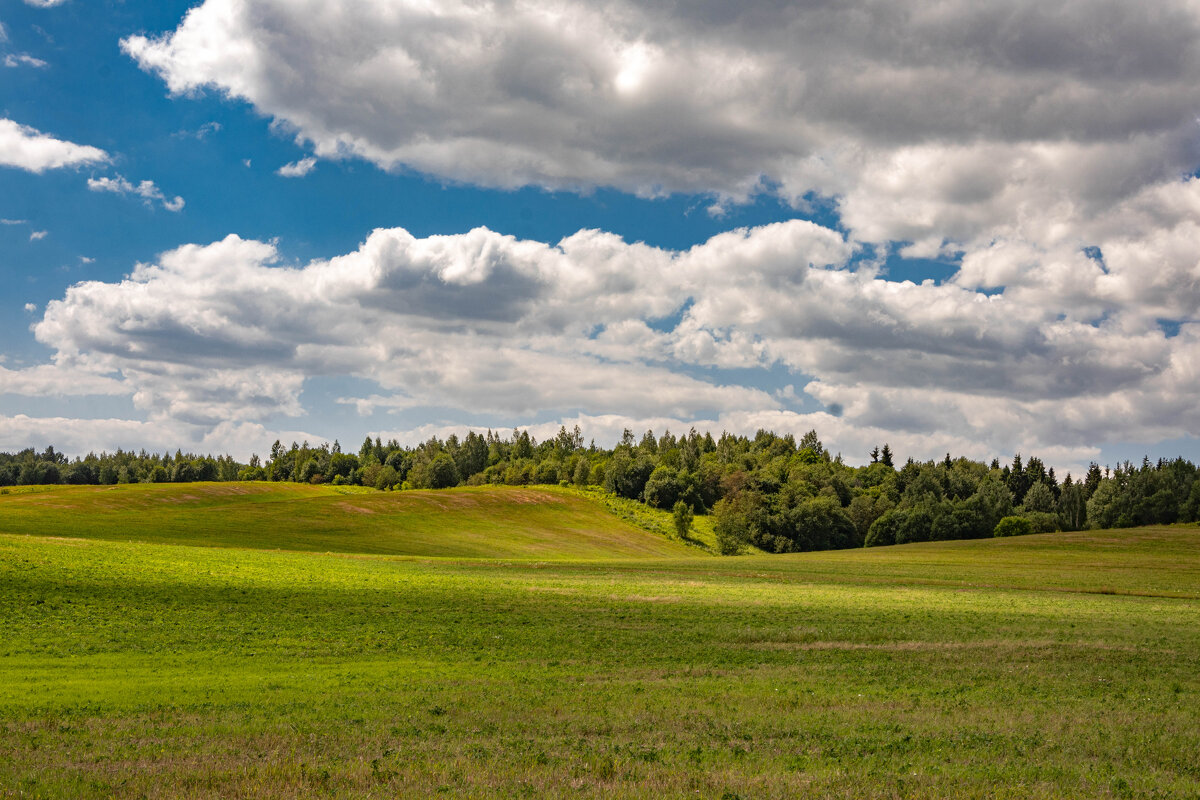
{"points": [[29, 149], [37, 236], [297, 169], [1048, 150], [482, 323], [146, 190], [941, 125]]}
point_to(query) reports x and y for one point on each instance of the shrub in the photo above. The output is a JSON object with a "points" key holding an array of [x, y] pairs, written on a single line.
{"points": [[1013, 526], [1043, 522], [682, 515], [386, 478]]}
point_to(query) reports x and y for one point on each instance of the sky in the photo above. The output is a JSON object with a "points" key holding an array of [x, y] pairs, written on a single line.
{"points": [[950, 226]]}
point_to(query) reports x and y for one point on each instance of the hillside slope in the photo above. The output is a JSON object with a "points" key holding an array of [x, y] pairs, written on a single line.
{"points": [[474, 522]]}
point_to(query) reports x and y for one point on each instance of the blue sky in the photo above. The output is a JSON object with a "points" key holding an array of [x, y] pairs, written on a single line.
{"points": [[983, 245]]}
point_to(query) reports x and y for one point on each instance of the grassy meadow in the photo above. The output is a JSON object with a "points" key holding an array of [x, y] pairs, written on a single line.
{"points": [[521, 643], [488, 521]]}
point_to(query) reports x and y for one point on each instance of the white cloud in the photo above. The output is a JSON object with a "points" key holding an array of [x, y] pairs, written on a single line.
{"points": [[38, 235], [26, 148], [30, 308], [44, 3], [14, 222], [78, 436], [23, 60], [297, 169], [481, 323], [1049, 147], [147, 190], [57, 380], [930, 122]]}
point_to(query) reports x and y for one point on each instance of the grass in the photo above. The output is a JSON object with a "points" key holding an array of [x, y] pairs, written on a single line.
{"points": [[477, 522], [1063, 665]]}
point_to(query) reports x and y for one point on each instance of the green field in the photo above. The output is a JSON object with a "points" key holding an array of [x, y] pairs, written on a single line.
{"points": [[488, 522], [260, 665]]}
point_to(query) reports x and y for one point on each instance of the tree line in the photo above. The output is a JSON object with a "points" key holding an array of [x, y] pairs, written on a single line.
{"points": [[768, 491]]}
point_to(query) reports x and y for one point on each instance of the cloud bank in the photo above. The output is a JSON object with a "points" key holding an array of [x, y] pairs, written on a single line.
{"points": [[595, 328], [939, 124]]}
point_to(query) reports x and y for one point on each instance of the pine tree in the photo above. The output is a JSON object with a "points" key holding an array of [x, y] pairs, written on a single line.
{"points": [[885, 456]]}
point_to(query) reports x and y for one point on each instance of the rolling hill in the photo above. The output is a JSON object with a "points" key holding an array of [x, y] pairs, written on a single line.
{"points": [[470, 522]]}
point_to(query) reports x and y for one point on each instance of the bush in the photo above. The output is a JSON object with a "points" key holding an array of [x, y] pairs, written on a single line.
{"points": [[682, 515], [386, 478], [1043, 522], [1013, 526], [728, 544]]}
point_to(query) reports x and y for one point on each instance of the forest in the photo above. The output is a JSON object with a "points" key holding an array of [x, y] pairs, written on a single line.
{"points": [[768, 491]]}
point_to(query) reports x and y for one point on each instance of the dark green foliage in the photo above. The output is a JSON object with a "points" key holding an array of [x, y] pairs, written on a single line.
{"points": [[627, 476], [1013, 526], [864, 509], [883, 530], [662, 488], [916, 527], [885, 456], [821, 524], [966, 520], [1148, 495], [443, 473], [546, 472], [1072, 505]]}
